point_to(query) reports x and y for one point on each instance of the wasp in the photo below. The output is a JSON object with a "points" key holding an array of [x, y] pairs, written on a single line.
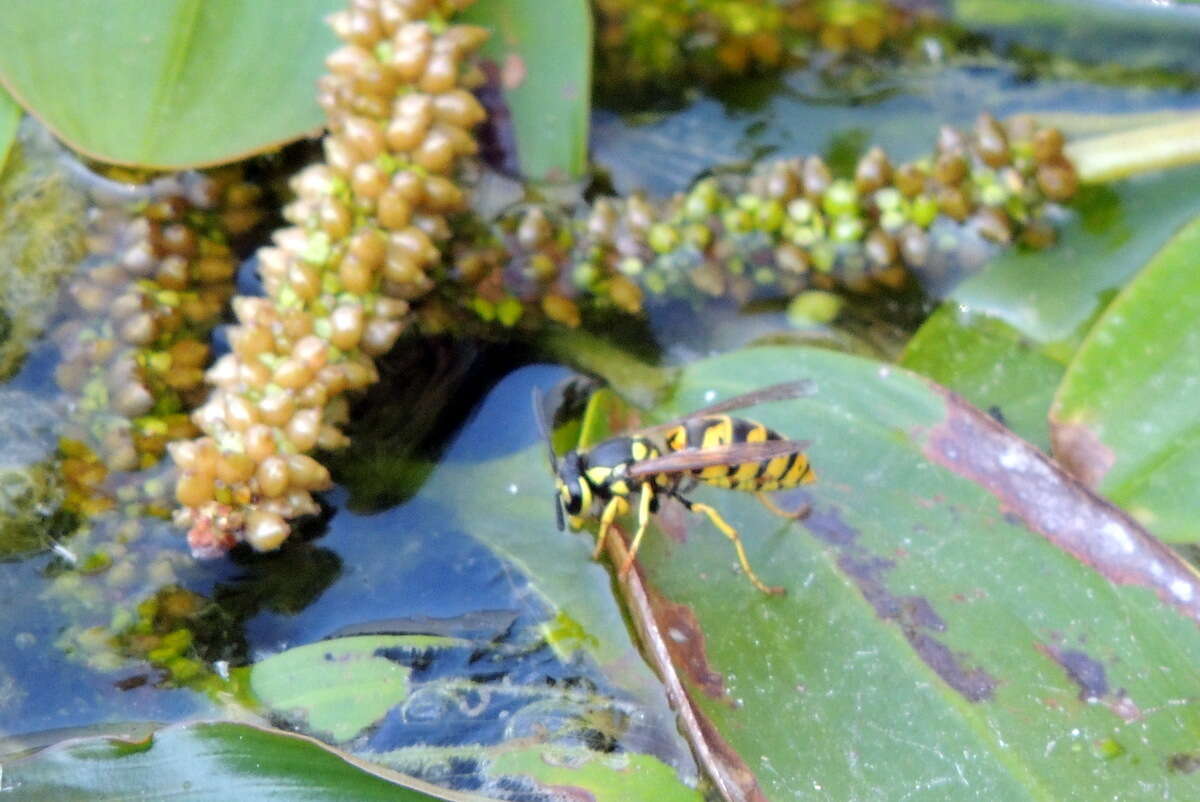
{"points": [[665, 461]]}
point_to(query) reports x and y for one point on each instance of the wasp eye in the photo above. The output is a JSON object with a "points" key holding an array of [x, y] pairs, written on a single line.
{"points": [[572, 499]]}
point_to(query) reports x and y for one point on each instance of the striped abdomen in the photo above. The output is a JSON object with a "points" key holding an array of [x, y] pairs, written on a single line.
{"points": [[715, 431]]}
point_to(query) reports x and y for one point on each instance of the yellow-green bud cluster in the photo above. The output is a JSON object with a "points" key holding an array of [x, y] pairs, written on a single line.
{"points": [[793, 225], [157, 277], [367, 225], [790, 226], [670, 43]]}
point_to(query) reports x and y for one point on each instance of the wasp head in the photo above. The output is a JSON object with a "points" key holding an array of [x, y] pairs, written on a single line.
{"points": [[574, 490]]}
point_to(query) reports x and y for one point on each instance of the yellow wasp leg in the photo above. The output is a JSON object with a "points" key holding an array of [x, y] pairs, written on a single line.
{"points": [[643, 522], [732, 534], [614, 508], [767, 502]]}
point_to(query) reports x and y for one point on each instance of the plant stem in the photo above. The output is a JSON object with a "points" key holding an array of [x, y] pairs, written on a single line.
{"points": [[643, 384], [1141, 150]]}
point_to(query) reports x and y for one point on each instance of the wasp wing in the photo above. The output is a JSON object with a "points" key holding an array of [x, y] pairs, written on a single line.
{"points": [[697, 458], [543, 424], [776, 392]]}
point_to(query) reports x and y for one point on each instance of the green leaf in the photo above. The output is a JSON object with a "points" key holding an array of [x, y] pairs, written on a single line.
{"points": [[961, 616], [1125, 419], [541, 53], [991, 365], [518, 769], [168, 84], [10, 115], [1052, 296], [1158, 37], [603, 778], [338, 688], [217, 761]]}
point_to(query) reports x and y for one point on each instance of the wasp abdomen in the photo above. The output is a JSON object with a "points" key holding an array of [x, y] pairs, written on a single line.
{"points": [[716, 431]]}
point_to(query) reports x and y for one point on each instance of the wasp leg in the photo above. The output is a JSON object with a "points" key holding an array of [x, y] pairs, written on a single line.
{"points": [[731, 533], [643, 521], [616, 506], [770, 504]]}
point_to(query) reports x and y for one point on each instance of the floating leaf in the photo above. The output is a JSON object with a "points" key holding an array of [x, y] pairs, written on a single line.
{"points": [[337, 688], [217, 761], [541, 54], [601, 777], [168, 84], [1125, 419], [521, 771], [1051, 296], [961, 615], [992, 366]]}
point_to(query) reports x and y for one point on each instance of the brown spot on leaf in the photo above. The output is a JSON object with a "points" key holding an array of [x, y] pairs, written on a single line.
{"points": [[1184, 762], [1090, 675], [975, 684], [1046, 500], [1085, 671], [685, 643], [735, 768], [129, 683], [1080, 451], [733, 779], [672, 520], [914, 615]]}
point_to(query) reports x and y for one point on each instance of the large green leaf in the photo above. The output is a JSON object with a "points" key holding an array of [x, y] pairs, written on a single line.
{"points": [[1126, 419], [992, 366], [961, 616], [217, 761], [1004, 335], [171, 83], [1051, 296], [542, 55]]}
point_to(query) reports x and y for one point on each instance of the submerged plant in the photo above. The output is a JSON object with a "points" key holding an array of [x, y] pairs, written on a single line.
{"points": [[158, 275], [658, 46]]}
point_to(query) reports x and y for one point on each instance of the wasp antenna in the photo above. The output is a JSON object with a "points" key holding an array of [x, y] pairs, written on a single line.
{"points": [[558, 513], [539, 415]]}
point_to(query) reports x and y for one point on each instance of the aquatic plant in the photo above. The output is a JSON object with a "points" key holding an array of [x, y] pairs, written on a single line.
{"points": [[363, 244], [663, 46], [382, 238]]}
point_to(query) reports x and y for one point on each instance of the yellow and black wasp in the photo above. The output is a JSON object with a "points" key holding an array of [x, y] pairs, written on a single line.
{"points": [[667, 460]]}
